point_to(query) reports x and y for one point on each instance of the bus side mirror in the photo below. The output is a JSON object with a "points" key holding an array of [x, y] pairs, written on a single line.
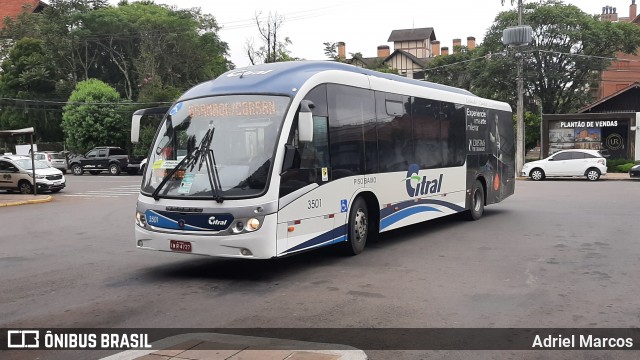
{"points": [[135, 128], [135, 120], [305, 121]]}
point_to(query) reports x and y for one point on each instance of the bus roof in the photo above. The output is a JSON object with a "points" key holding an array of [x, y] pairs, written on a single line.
{"points": [[286, 77]]}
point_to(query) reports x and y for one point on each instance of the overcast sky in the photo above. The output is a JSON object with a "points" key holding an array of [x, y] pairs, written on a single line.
{"points": [[362, 25]]}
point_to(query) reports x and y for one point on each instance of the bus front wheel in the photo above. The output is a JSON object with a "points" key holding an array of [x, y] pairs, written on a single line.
{"points": [[477, 201], [358, 228]]}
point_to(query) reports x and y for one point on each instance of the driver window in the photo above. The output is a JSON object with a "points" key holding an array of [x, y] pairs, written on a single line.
{"points": [[311, 164], [92, 153], [102, 153]]}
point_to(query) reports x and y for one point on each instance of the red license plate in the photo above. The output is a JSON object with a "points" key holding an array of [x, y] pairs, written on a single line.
{"points": [[176, 245]]}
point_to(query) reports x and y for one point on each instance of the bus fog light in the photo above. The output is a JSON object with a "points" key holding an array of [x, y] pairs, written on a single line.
{"points": [[253, 224], [246, 252], [140, 244]]}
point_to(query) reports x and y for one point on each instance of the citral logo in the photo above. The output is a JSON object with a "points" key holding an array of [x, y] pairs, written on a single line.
{"points": [[422, 184], [214, 221], [247, 73]]}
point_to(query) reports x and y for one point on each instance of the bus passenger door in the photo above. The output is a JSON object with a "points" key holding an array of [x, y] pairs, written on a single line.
{"points": [[303, 206]]}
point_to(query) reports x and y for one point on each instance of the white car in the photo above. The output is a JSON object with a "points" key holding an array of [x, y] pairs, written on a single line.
{"points": [[574, 162], [16, 174]]}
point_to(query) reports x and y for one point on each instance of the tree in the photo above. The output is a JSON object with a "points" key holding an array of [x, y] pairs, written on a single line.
{"points": [[26, 75], [569, 50], [272, 48], [91, 117], [331, 50]]}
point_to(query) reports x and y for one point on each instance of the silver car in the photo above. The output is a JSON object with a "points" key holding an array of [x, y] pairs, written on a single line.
{"points": [[53, 159]]}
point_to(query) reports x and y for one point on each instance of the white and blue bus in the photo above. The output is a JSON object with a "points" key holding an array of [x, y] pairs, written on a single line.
{"points": [[271, 160]]}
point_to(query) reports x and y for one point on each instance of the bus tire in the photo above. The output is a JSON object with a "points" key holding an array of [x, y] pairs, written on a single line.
{"points": [[358, 227], [476, 205]]}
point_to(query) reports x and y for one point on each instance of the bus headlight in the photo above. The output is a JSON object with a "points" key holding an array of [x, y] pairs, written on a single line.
{"points": [[140, 219], [253, 224], [246, 225]]}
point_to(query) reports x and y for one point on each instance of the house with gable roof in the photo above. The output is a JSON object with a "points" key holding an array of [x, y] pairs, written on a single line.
{"points": [[413, 49]]}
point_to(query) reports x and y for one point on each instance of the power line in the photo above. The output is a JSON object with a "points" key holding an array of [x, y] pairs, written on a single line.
{"points": [[488, 57], [56, 102]]}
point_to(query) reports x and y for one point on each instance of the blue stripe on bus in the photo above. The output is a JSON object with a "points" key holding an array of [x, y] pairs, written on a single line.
{"points": [[168, 223], [384, 212], [405, 213], [333, 236]]}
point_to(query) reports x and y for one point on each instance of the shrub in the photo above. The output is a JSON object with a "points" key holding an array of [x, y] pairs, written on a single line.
{"points": [[624, 167], [612, 164]]}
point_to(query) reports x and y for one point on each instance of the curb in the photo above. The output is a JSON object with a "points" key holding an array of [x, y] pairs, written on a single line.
{"points": [[26, 202]]}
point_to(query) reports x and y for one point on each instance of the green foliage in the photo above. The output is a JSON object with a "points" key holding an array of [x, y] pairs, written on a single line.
{"points": [[147, 52], [619, 165], [331, 50], [28, 73], [624, 168], [531, 130], [564, 59], [92, 119]]}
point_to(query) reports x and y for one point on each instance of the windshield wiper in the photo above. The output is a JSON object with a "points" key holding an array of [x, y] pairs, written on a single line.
{"points": [[206, 155], [184, 162]]}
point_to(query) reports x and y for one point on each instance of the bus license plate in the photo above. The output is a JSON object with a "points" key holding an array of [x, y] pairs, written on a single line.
{"points": [[176, 245]]}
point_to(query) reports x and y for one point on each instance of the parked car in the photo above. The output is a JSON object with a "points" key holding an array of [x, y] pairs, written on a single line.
{"points": [[54, 159], [104, 158], [16, 174], [634, 173], [574, 162]]}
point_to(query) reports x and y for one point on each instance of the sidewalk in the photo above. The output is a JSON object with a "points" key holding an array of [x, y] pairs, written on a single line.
{"points": [[22, 199], [212, 346]]}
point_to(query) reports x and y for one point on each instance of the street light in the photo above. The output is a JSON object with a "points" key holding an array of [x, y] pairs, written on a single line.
{"points": [[517, 36]]}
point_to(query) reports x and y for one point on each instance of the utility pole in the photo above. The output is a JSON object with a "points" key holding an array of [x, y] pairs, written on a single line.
{"points": [[518, 36]]}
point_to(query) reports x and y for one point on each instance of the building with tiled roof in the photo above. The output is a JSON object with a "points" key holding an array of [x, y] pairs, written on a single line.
{"points": [[13, 8], [413, 49], [626, 70]]}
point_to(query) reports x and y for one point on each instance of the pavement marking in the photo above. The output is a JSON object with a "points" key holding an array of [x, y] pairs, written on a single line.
{"points": [[92, 196], [125, 190]]}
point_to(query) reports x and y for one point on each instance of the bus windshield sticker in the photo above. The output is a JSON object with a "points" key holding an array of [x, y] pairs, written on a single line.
{"points": [[343, 205], [325, 174], [185, 185]]}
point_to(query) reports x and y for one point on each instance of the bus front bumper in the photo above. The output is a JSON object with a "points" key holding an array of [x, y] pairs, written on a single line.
{"points": [[260, 244]]}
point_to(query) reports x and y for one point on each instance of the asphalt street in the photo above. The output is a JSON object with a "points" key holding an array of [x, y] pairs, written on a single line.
{"points": [[559, 253]]}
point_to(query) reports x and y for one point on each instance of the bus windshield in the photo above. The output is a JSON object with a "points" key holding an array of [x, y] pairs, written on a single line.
{"points": [[224, 147]]}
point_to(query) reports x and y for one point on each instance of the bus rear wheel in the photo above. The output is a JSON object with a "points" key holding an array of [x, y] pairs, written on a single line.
{"points": [[477, 201], [358, 227]]}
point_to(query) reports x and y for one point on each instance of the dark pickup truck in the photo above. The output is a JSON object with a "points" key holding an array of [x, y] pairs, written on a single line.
{"points": [[105, 158]]}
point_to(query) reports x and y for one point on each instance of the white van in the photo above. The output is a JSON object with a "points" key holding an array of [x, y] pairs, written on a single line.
{"points": [[16, 175]]}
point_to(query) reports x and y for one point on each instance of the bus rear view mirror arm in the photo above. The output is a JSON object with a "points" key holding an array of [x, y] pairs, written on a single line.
{"points": [[305, 121]]}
